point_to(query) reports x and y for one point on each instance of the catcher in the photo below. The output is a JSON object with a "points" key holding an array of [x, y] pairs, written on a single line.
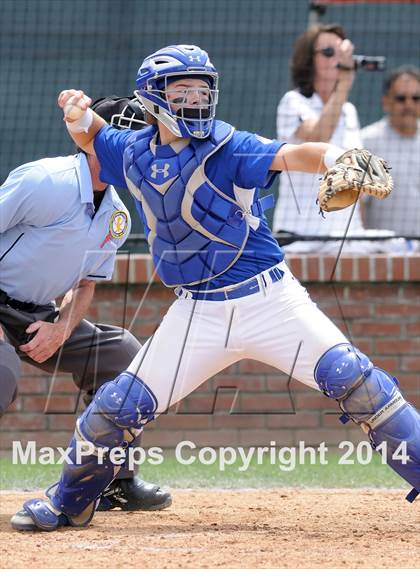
{"points": [[195, 183]]}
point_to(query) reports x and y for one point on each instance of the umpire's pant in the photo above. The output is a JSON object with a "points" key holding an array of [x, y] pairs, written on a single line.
{"points": [[94, 353]]}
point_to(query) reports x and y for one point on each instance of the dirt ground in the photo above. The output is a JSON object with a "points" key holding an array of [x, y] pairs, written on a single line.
{"points": [[281, 528]]}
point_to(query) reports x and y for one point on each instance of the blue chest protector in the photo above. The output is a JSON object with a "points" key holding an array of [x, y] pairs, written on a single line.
{"points": [[195, 231]]}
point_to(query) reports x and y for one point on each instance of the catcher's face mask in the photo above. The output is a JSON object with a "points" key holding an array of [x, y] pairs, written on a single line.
{"points": [[190, 102]]}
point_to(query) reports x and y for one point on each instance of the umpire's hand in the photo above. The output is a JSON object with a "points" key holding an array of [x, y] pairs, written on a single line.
{"points": [[48, 339]]}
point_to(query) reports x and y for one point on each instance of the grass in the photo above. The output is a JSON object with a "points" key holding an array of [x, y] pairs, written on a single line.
{"points": [[176, 475]]}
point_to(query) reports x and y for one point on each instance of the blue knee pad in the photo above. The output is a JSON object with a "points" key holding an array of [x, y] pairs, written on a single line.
{"points": [[118, 411], [370, 397], [127, 401]]}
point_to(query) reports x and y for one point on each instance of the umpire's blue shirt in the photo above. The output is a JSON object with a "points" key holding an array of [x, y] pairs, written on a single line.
{"points": [[50, 235]]}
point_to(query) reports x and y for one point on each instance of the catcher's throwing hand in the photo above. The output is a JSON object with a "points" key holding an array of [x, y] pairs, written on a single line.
{"points": [[356, 171], [73, 98]]}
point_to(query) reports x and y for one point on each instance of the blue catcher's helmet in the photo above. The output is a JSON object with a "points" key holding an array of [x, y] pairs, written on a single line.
{"points": [[169, 64]]}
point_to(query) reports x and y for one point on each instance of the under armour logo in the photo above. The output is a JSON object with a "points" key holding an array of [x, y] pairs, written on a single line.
{"points": [[164, 171], [115, 396], [194, 58]]}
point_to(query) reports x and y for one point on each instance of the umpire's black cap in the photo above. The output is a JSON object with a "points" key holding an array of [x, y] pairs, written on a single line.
{"points": [[121, 112]]}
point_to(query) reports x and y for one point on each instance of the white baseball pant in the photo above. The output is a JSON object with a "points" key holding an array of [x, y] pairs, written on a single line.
{"points": [[279, 325]]}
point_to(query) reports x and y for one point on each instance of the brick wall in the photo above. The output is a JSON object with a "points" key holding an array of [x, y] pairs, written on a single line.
{"points": [[374, 300]]}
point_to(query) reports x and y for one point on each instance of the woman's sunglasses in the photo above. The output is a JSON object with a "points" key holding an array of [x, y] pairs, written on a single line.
{"points": [[326, 51]]}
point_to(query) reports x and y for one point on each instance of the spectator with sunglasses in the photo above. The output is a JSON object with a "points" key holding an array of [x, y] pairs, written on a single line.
{"points": [[317, 109], [396, 137]]}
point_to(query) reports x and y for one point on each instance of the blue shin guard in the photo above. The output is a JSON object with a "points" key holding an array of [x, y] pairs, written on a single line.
{"points": [[370, 397], [115, 417]]}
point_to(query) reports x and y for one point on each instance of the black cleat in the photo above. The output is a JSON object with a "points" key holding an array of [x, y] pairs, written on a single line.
{"points": [[131, 494]]}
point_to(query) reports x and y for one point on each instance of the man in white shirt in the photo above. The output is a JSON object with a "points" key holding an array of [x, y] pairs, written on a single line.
{"points": [[396, 137]]}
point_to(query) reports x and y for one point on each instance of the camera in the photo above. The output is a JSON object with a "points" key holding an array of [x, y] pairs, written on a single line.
{"points": [[369, 62]]}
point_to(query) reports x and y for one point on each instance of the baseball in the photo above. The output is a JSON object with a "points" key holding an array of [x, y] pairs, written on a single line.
{"points": [[72, 110]]}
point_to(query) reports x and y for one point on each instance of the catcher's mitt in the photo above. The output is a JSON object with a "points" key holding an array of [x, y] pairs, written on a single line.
{"points": [[356, 171]]}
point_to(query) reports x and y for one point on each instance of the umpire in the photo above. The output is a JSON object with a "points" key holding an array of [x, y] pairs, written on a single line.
{"points": [[60, 228]]}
